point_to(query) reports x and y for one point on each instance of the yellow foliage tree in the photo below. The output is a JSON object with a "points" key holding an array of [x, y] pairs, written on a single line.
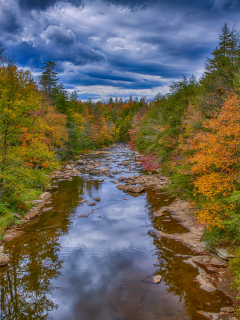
{"points": [[215, 160]]}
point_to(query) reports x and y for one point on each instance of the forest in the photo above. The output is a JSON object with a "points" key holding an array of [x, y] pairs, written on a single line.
{"points": [[191, 135]]}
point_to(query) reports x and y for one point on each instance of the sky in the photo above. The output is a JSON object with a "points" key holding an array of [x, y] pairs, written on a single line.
{"points": [[115, 48]]}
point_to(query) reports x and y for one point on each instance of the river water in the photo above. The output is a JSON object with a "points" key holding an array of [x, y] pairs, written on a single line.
{"points": [[100, 267]]}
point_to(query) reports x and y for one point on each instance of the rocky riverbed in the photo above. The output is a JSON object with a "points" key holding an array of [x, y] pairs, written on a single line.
{"points": [[97, 166]]}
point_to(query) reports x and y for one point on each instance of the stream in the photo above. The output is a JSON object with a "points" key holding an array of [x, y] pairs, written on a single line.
{"points": [[100, 267]]}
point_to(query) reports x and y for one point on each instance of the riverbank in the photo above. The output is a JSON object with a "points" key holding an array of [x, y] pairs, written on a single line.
{"points": [[211, 269]]}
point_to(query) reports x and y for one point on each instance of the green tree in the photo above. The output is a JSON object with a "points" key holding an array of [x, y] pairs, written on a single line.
{"points": [[48, 79]]}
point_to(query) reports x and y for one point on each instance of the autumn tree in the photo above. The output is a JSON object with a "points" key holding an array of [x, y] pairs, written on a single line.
{"points": [[23, 144], [212, 155], [19, 102]]}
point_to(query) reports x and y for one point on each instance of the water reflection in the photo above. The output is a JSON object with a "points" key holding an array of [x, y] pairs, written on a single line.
{"points": [[66, 267]]}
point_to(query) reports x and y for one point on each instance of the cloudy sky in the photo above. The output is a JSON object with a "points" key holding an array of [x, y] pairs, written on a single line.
{"points": [[117, 48]]}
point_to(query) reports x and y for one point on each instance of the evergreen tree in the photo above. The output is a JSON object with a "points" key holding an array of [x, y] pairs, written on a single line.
{"points": [[48, 79], [218, 77]]}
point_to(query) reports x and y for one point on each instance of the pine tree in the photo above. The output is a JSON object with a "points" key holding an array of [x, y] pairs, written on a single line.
{"points": [[225, 41], [48, 79], [220, 69]]}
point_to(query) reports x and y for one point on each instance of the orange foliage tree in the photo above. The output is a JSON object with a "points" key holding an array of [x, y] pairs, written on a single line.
{"points": [[213, 158]]}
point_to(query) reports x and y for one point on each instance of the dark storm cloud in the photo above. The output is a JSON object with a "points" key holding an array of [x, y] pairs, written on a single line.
{"points": [[93, 80], [78, 54], [45, 4], [8, 21], [60, 35], [133, 45]]}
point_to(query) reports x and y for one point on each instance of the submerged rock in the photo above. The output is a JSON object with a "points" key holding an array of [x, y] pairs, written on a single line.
{"points": [[82, 216], [91, 204], [160, 212]]}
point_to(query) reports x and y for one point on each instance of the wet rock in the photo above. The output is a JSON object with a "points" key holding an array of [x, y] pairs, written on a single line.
{"points": [[137, 189], [124, 163], [44, 196], [40, 204], [3, 259], [183, 255], [121, 187], [157, 279], [224, 254], [82, 216], [202, 278], [190, 239], [127, 188], [205, 284], [160, 212], [227, 309], [47, 209], [80, 162], [37, 201], [208, 315], [210, 260], [91, 204], [82, 201], [96, 199], [100, 180]]}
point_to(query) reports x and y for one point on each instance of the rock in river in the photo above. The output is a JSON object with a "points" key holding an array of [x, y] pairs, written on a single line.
{"points": [[3, 259], [157, 279], [127, 188], [91, 204]]}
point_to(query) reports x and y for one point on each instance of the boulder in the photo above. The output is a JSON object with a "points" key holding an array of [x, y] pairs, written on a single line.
{"points": [[157, 279], [127, 188]]}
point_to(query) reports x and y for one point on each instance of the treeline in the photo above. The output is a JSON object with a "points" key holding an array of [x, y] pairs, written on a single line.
{"points": [[193, 134], [42, 124]]}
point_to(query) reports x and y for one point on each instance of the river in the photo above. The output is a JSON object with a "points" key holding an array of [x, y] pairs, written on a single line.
{"points": [[100, 267]]}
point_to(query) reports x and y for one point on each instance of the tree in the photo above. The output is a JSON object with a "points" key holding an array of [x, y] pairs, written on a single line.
{"points": [[48, 79], [19, 104], [212, 154], [218, 77]]}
